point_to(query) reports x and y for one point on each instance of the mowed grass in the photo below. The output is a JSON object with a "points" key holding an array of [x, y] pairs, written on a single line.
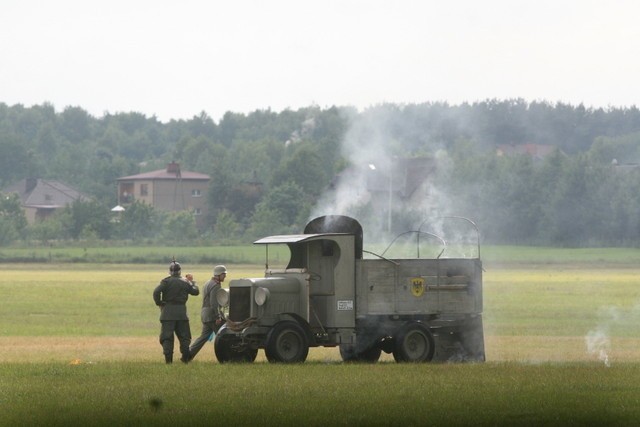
{"points": [[98, 253], [79, 346], [89, 299], [319, 394]]}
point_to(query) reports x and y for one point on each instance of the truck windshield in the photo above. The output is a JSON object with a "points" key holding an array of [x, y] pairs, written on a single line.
{"points": [[277, 256]]}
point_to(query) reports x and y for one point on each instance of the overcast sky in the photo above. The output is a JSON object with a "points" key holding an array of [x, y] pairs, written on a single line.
{"points": [[175, 59]]}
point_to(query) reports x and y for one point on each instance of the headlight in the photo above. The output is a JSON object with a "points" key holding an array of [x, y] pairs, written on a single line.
{"points": [[261, 296], [222, 296]]}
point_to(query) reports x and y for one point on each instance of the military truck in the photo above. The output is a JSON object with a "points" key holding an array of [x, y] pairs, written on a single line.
{"points": [[328, 295]]}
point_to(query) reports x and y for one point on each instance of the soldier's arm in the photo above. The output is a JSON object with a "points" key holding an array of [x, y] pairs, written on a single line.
{"points": [[157, 295], [193, 288], [214, 303]]}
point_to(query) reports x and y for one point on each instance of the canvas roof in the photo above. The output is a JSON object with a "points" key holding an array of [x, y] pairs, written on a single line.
{"points": [[295, 238]]}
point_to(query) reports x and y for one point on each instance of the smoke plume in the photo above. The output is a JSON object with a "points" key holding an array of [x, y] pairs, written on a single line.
{"points": [[612, 320], [390, 191], [599, 344]]}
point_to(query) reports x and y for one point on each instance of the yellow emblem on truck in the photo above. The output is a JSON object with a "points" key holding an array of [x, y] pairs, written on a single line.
{"points": [[417, 286]]}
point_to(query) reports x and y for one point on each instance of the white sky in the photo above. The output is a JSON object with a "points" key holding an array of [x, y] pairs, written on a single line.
{"points": [[174, 59]]}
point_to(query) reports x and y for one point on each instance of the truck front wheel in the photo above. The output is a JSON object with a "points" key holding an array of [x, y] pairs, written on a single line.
{"points": [[414, 343], [286, 343], [226, 351]]}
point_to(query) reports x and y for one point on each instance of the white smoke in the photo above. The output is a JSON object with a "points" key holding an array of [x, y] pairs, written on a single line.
{"points": [[297, 135], [611, 320], [599, 344], [375, 169], [366, 147]]}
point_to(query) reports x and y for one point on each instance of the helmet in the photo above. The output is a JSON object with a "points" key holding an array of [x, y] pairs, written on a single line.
{"points": [[219, 269], [174, 267]]}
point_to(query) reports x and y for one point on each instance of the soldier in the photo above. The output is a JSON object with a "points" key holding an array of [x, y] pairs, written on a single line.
{"points": [[211, 314], [171, 296]]}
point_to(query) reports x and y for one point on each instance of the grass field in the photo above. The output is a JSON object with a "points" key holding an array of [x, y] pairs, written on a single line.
{"points": [[319, 394], [255, 254], [79, 345]]}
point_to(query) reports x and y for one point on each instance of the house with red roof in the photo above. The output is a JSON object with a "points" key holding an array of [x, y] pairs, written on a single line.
{"points": [[169, 189], [535, 151]]}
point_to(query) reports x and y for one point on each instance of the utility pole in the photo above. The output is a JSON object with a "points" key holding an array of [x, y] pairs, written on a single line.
{"points": [[390, 198], [373, 167]]}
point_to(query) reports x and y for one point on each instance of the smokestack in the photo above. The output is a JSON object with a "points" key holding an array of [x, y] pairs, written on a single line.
{"points": [[173, 167], [30, 184]]}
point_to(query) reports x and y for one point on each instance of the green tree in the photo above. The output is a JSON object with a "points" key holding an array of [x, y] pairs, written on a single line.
{"points": [[260, 157], [44, 231], [13, 222], [226, 228], [618, 150], [265, 222], [87, 217], [196, 154], [139, 221], [304, 167], [15, 159], [229, 127], [287, 200], [104, 170], [76, 125], [569, 208], [179, 227]]}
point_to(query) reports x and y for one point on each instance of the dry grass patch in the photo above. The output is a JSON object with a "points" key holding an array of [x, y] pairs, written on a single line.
{"points": [[531, 349]]}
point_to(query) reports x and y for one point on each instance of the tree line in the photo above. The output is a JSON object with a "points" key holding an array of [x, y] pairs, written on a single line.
{"points": [[582, 194]]}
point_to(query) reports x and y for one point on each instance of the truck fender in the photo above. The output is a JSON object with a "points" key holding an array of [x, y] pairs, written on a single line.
{"points": [[223, 330], [303, 323]]}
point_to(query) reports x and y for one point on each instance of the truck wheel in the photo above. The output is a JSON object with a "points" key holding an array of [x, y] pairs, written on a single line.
{"points": [[226, 352], [286, 343], [414, 343], [349, 354]]}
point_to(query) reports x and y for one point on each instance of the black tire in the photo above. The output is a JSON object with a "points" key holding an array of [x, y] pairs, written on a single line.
{"points": [[226, 351], [414, 343], [350, 354], [248, 355], [286, 343]]}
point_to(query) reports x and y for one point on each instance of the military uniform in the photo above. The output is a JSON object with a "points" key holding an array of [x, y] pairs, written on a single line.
{"points": [[171, 296], [209, 314]]}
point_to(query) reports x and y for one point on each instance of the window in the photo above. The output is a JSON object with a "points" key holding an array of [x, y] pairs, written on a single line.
{"points": [[144, 189], [197, 211], [195, 193]]}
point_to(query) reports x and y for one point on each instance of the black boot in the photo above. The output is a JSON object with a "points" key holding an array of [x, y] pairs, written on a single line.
{"points": [[168, 358], [186, 357]]}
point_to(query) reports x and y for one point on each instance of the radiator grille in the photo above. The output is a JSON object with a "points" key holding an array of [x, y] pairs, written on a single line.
{"points": [[240, 304]]}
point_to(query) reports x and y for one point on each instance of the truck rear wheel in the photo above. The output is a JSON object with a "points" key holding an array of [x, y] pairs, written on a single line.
{"points": [[350, 353], [286, 343], [414, 343], [227, 352]]}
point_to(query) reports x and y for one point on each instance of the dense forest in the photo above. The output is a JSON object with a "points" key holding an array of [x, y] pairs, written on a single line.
{"points": [[584, 193]]}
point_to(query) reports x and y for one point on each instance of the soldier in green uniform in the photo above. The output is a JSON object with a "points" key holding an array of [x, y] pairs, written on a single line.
{"points": [[171, 296], [211, 313]]}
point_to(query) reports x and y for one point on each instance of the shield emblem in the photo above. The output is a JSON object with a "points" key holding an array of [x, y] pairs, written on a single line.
{"points": [[417, 286]]}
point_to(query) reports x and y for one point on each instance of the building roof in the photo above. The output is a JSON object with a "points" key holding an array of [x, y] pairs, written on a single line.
{"points": [[537, 151], [44, 193], [172, 172]]}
